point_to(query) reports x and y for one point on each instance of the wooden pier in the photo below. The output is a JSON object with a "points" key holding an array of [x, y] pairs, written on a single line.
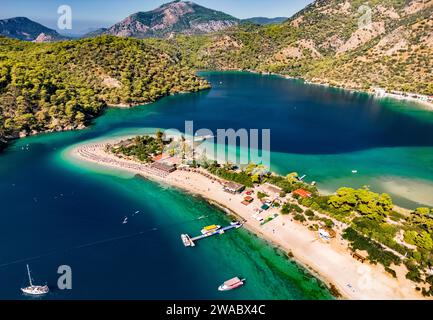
{"points": [[190, 242]]}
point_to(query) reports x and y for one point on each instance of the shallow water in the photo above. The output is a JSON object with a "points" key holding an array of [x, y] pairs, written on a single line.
{"points": [[60, 212]]}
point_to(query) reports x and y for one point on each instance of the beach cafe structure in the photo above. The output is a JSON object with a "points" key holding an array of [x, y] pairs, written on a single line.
{"points": [[164, 167], [233, 187], [271, 190]]}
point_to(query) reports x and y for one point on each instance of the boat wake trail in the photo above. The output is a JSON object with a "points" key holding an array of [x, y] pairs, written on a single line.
{"points": [[96, 243]]}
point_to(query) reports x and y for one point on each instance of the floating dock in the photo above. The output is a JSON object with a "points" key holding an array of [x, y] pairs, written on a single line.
{"points": [[190, 242]]}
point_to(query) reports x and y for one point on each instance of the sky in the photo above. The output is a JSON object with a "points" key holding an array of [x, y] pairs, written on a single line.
{"points": [[90, 14]]}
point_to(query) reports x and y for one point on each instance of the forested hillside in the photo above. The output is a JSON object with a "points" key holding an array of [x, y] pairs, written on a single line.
{"points": [[333, 42], [58, 86]]}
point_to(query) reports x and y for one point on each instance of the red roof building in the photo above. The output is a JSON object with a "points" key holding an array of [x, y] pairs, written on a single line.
{"points": [[302, 193], [249, 199], [158, 158]]}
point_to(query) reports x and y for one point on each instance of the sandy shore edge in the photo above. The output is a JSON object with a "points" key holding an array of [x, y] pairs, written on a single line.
{"points": [[329, 262]]}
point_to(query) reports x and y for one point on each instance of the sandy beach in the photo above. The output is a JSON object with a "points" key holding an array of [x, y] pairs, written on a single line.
{"points": [[330, 261]]}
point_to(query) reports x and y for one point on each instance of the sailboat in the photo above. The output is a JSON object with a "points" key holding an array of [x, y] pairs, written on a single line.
{"points": [[32, 289]]}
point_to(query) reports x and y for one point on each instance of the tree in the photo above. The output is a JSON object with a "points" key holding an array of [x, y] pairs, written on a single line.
{"points": [[423, 218], [292, 177], [345, 200], [363, 201], [80, 117], [159, 135], [255, 178], [422, 240], [250, 168]]}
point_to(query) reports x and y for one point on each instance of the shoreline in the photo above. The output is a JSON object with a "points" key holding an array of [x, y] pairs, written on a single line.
{"points": [[129, 106], [85, 125], [372, 92], [289, 254], [331, 262], [258, 233]]}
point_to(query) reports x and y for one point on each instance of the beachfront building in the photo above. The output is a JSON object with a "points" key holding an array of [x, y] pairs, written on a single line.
{"points": [[265, 207], [159, 157], [271, 190], [164, 167], [233, 187], [302, 193], [248, 200]]}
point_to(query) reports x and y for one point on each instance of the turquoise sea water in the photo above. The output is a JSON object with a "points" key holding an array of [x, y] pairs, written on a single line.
{"points": [[57, 211]]}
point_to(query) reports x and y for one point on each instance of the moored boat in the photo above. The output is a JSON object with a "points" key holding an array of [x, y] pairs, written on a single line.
{"points": [[210, 229], [187, 242], [231, 284], [32, 289], [236, 224]]}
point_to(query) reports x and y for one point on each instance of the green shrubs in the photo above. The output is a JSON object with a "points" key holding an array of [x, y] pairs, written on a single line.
{"points": [[376, 253], [299, 217], [291, 208], [239, 177]]}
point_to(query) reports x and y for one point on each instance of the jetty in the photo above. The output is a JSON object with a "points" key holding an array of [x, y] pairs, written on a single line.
{"points": [[190, 242]]}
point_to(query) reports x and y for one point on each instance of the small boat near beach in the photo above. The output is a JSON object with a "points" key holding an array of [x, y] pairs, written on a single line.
{"points": [[231, 284], [236, 224], [354, 171], [187, 242], [210, 229], [32, 289]]}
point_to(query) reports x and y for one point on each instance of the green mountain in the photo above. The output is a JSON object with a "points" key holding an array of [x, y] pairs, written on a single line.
{"points": [[59, 86], [331, 41], [63, 85], [263, 21], [183, 17], [25, 29]]}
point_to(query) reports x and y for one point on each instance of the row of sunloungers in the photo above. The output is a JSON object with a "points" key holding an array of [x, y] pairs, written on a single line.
{"points": [[89, 153], [204, 174]]}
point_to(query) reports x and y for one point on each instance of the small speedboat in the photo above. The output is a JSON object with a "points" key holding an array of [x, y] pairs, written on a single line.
{"points": [[125, 221], [354, 171], [236, 224], [32, 289], [231, 284]]}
